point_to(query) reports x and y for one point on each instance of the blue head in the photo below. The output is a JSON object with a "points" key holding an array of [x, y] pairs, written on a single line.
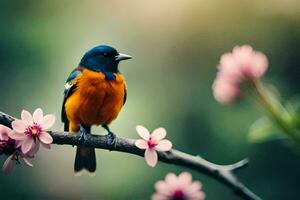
{"points": [[103, 59]]}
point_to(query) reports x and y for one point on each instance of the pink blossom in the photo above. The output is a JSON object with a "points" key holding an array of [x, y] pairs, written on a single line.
{"points": [[11, 148], [8, 165], [226, 90], [178, 188], [243, 64], [152, 143], [31, 130], [4, 131], [7, 145]]}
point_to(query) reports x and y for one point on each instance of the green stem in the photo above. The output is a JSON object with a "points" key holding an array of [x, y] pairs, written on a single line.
{"points": [[272, 111]]}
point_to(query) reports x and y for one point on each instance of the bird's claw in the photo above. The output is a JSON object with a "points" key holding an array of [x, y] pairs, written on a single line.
{"points": [[82, 136], [112, 140]]}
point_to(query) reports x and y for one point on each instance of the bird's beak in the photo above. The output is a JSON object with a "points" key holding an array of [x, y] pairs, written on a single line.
{"points": [[122, 56]]}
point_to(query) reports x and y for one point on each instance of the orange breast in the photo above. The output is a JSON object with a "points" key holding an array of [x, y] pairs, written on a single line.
{"points": [[96, 100]]}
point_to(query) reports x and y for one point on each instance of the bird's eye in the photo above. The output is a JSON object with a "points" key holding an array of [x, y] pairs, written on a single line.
{"points": [[105, 54]]}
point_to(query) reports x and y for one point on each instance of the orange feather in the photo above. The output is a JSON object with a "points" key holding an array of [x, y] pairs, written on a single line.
{"points": [[95, 101]]}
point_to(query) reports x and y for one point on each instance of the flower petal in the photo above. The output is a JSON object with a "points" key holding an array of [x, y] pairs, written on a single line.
{"points": [[48, 122], [194, 187], [200, 195], [164, 145], [143, 132], [45, 138], [185, 179], [4, 131], [38, 116], [163, 188], [17, 136], [34, 149], [27, 145], [27, 161], [225, 90], [151, 157], [19, 126], [26, 117], [8, 165], [18, 143], [159, 133], [172, 180], [142, 144], [3, 136]]}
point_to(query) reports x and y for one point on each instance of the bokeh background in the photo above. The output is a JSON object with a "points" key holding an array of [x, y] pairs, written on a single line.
{"points": [[176, 46]]}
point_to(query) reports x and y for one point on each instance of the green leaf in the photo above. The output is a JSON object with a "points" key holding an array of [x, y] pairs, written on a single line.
{"points": [[274, 97], [264, 130], [293, 107]]}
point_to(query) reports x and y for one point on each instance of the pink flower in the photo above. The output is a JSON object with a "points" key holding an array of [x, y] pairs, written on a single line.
{"points": [[11, 148], [152, 143], [4, 131], [178, 188], [30, 130], [8, 165], [243, 64], [225, 90]]}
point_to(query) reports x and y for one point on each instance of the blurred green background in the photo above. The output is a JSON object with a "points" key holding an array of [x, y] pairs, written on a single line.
{"points": [[176, 46]]}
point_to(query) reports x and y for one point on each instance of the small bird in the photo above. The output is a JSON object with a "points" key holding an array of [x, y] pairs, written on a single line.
{"points": [[94, 94]]}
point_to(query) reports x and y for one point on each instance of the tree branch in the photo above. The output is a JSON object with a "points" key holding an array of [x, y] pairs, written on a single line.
{"points": [[223, 173]]}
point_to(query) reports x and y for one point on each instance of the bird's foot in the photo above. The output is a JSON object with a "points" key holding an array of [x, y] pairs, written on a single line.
{"points": [[83, 135], [112, 140]]}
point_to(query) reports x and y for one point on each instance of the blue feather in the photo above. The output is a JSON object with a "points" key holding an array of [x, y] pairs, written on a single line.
{"points": [[73, 75], [101, 59]]}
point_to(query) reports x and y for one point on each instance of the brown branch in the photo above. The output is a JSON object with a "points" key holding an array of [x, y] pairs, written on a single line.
{"points": [[223, 173]]}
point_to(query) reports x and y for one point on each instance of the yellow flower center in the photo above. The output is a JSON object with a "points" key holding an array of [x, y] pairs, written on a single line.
{"points": [[34, 132]]}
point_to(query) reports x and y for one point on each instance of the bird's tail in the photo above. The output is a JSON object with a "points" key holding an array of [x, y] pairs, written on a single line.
{"points": [[85, 157], [85, 160]]}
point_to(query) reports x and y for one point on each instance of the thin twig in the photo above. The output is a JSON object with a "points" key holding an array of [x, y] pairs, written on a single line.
{"points": [[222, 173]]}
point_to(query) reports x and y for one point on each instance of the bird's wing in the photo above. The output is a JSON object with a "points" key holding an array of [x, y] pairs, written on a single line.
{"points": [[125, 94], [70, 86]]}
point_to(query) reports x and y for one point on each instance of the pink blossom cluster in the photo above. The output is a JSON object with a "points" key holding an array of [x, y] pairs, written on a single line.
{"points": [[242, 64], [24, 139]]}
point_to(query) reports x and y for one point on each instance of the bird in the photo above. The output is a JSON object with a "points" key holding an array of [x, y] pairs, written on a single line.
{"points": [[94, 94]]}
